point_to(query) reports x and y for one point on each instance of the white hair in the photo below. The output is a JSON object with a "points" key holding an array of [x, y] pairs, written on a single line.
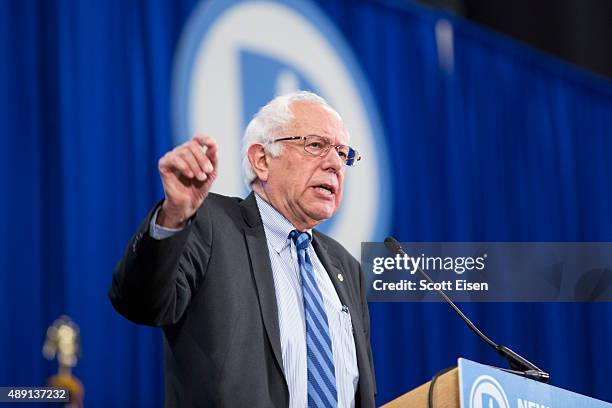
{"points": [[268, 124]]}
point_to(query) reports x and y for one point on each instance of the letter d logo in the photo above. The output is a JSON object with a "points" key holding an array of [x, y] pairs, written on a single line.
{"points": [[234, 56], [488, 393]]}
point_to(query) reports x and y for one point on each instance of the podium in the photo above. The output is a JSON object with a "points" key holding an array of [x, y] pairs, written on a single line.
{"points": [[473, 385], [445, 393]]}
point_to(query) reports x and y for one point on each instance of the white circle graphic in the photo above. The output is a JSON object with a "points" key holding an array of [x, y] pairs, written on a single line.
{"points": [[487, 385], [208, 97]]}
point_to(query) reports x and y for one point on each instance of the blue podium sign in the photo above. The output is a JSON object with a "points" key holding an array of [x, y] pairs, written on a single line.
{"points": [[481, 386]]}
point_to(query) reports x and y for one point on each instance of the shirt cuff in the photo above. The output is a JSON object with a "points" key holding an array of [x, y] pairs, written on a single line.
{"points": [[157, 231]]}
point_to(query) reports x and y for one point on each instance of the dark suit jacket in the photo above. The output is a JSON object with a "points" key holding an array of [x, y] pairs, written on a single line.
{"points": [[210, 288]]}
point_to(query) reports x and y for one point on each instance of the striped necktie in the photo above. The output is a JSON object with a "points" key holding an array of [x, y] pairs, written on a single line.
{"points": [[320, 359]]}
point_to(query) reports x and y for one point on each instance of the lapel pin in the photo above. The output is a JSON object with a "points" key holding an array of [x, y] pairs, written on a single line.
{"points": [[340, 277]]}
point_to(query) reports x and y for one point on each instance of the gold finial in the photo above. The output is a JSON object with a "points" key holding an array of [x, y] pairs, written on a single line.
{"points": [[63, 343]]}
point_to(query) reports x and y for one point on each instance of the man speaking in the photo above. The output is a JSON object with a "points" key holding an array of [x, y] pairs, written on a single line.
{"points": [[258, 309]]}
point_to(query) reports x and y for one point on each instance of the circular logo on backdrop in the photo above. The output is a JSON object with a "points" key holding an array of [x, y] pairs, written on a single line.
{"points": [[235, 56], [486, 392]]}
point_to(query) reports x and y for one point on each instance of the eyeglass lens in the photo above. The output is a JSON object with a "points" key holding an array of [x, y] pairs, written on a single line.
{"points": [[319, 145]]}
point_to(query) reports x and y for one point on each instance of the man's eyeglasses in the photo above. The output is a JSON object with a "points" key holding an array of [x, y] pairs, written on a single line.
{"points": [[319, 146]]}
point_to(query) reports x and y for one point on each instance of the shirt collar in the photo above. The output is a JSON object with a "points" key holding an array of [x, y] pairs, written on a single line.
{"points": [[276, 225]]}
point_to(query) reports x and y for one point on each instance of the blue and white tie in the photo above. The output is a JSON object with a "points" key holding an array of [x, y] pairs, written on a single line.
{"points": [[320, 358]]}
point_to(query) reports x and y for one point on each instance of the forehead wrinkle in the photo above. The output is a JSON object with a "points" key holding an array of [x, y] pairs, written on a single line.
{"points": [[303, 111]]}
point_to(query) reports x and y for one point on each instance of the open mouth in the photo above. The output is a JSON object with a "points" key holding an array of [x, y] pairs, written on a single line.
{"points": [[326, 189]]}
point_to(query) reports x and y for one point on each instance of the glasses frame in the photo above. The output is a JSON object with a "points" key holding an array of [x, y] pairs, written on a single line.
{"points": [[336, 147]]}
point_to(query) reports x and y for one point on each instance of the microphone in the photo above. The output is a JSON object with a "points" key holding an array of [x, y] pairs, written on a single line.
{"points": [[518, 364]]}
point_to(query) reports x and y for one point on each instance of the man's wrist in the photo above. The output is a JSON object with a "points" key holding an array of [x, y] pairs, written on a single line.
{"points": [[159, 232], [167, 219]]}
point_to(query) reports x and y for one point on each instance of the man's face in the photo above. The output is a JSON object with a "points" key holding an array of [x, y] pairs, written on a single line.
{"points": [[307, 189]]}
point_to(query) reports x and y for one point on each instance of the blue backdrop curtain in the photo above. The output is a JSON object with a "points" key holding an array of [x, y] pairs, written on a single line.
{"points": [[508, 145]]}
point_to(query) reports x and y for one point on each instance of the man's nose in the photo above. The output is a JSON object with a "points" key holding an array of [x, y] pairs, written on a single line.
{"points": [[332, 160]]}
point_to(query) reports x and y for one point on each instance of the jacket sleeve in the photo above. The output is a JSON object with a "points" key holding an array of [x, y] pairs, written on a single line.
{"points": [[155, 280]]}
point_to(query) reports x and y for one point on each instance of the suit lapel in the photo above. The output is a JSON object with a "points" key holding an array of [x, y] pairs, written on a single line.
{"points": [[332, 266], [333, 270], [342, 289], [262, 274]]}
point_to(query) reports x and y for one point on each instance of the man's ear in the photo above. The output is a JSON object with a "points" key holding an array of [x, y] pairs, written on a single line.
{"points": [[259, 161]]}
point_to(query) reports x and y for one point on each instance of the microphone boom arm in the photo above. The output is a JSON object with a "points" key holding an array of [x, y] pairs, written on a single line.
{"points": [[518, 364]]}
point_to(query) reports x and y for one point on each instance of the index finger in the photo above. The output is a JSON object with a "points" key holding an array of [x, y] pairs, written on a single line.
{"points": [[205, 141], [209, 146]]}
